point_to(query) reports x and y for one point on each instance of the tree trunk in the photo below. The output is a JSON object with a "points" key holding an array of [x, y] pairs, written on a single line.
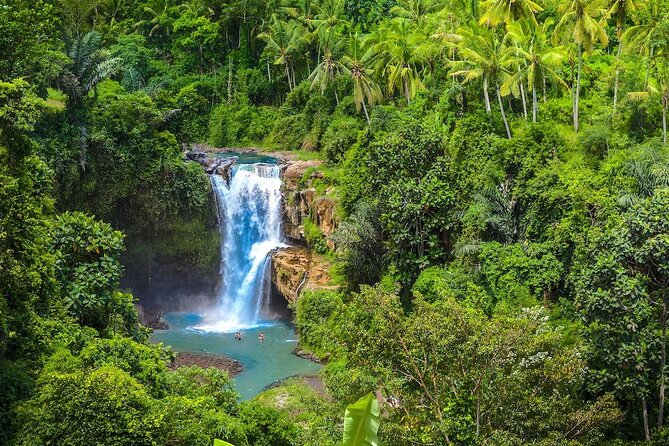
{"points": [[535, 105], [544, 80], [290, 85], [524, 99], [364, 108], [578, 86], [501, 109], [664, 118], [485, 95], [650, 61], [405, 84], [478, 414], [646, 430], [335, 94], [617, 80], [663, 362], [269, 73]]}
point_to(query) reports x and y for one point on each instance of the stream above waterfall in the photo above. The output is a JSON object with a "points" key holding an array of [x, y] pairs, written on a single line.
{"points": [[249, 210]]}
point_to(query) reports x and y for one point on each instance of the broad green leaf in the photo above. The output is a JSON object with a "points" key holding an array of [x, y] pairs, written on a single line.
{"points": [[218, 442], [361, 422]]}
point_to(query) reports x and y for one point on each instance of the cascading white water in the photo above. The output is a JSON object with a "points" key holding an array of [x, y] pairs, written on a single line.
{"points": [[249, 216]]}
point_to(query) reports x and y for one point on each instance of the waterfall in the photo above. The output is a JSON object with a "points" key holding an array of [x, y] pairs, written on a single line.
{"points": [[249, 217]]}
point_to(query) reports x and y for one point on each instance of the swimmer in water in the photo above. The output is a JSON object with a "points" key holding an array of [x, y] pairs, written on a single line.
{"points": [[261, 337], [238, 336]]}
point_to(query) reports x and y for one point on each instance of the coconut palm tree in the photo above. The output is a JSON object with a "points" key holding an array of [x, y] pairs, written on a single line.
{"points": [[584, 19], [283, 43], [356, 63], [507, 11], [539, 59], [330, 66], [467, 10], [159, 19], [416, 10], [621, 9], [641, 37], [401, 57], [485, 56], [329, 15]]}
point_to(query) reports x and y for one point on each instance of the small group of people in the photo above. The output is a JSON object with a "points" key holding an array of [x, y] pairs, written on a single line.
{"points": [[238, 336]]}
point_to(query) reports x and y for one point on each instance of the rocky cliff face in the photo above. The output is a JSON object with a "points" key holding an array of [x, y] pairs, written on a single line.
{"points": [[301, 201], [296, 269]]}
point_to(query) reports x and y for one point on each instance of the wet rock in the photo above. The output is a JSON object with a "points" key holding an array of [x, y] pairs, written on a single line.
{"points": [[153, 318]]}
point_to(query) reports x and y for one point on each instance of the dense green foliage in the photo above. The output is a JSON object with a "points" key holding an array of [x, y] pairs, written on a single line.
{"points": [[500, 171]]}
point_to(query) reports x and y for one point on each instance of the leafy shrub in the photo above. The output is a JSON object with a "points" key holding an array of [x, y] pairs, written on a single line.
{"points": [[340, 136], [82, 408], [314, 236], [194, 104], [267, 427], [289, 132], [15, 384], [313, 315], [89, 271], [519, 274], [252, 83]]}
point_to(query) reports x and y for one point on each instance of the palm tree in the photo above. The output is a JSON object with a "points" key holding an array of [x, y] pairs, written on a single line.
{"points": [[622, 9], [401, 57], [501, 213], [416, 10], [330, 66], [586, 31], [304, 11], [649, 173], [485, 56], [467, 10], [108, 10], [328, 17], [356, 64], [283, 42], [539, 57], [642, 36], [159, 18], [507, 11], [88, 66]]}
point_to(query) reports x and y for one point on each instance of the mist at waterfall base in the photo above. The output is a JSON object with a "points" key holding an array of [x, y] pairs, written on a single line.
{"points": [[250, 215]]}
